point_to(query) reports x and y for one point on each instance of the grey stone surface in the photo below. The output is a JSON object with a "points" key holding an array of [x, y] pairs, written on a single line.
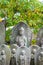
{"points": [[39, 57], [25, 32], [39, 39], [23, 56], [13, 57], [14, 46], [2, 58], [2, 32], [7, 52], [33, 50]]}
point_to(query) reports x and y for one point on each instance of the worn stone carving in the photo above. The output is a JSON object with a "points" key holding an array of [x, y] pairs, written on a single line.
{"points": [[13, 57], [3, 46], [2, 31], [23, 56], [39, 39], [7, 52], [14, 46], [33, 49], [39, 57], [21, 35], [3, 58]]}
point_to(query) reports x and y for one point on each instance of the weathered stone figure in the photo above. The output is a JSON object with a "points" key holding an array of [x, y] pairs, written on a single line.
{"points": [[3, 58], [21, 35], [7, 52], [39, 57], [22, 56], [2, 31], [21, 39], [39, 40], [33, 49], [13, 57], [2, 44]]}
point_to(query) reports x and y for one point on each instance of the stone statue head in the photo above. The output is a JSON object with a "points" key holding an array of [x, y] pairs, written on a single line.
{"points": [[13, 51], [2, 52], [21, 31], [41, 56], [23, 52]]}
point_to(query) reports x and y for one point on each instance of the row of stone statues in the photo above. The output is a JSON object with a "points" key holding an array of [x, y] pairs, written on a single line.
{"points": [[22, 56], [21, 52]]}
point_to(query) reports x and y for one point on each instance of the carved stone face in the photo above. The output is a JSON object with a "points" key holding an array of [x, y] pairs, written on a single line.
{"points": [[21, 31]]}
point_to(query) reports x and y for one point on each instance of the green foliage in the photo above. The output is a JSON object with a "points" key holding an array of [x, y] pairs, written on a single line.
{"points": [[29, 11]]}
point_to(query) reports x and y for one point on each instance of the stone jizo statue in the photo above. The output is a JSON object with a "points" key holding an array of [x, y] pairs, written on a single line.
{"points": [[13, 57], [3, 58], [33, 49], [39, 57], [21, 39], [21, 35], [23, 56]]}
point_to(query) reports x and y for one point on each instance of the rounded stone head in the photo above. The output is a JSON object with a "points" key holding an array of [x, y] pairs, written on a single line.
{"points": [[23, 52], [41, 56], [21, 31], [13, 51], [33, 51], [2, 52]]}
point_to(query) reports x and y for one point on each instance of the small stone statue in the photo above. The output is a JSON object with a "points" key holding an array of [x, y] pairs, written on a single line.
{"points": [[21, 39], [3, 58], [33, 49], [39, 39], [13, 58], [22, 58], [7, 52], [39, 57]]}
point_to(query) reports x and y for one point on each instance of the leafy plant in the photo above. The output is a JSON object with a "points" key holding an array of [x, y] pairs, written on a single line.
{"points": [[29, 11]]}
